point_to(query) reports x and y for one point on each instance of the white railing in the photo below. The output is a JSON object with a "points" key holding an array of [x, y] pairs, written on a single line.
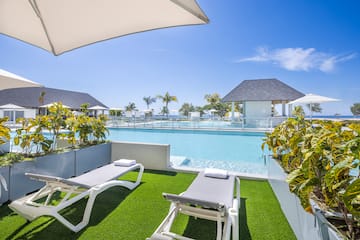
{"points": [[202, 123]]}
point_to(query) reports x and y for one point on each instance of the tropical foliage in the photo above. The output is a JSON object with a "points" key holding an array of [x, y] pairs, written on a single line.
{"points": [[59, 123], [186, 108], [148, 101], [166, 99], [4, 131], [314, 107], [214, 103], [130, 107], [322, 159], [355, 109]]}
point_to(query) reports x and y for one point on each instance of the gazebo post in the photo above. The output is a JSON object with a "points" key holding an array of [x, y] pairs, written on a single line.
{"points": [[289, 110], [283, 108], [232, 111]]}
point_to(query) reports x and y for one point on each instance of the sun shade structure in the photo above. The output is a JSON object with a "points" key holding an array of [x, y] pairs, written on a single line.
{"points": [[259, 96], [312, 99], [59, 26], [262, 90], [10, 80], [97, 107], [29, 97], [10, 106], [52, 104]]}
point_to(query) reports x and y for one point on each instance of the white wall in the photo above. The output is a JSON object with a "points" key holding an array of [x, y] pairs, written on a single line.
{"points": [[30, 113], [301, 222], [257, 109], [152, 156]]}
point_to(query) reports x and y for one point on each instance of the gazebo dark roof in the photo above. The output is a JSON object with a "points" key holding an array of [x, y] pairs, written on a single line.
{"points": [[262, 90], [28, 97]]}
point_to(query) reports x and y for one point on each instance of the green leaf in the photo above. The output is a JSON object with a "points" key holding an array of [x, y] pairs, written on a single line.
{"points": [[351, 197]]}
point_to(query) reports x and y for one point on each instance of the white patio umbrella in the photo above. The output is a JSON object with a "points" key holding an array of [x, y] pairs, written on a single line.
{"points": [[10, 80], [311, 99], [10, 106], [51, 104], [62, 25], [97, 108], [46, 106], [117, 108]]}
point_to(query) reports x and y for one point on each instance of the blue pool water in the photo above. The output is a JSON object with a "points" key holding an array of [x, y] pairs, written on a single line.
{"points": [[234, 151]]}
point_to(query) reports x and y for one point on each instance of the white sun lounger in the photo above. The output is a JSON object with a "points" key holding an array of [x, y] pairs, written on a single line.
{"points": [[89, 184], [208, 198]]}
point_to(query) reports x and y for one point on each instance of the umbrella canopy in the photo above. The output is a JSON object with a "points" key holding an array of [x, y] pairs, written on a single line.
{"points": [[97, 107], [51, 104], [10, 106], [62, 25], [10, 80], [312, 99], [117, 109]]}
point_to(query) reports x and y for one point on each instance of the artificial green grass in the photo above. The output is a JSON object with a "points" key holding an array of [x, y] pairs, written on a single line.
{"points": [[122, 214]]}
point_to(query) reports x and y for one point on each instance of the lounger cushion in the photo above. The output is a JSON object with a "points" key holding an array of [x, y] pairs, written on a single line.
{"points": [[215, 190], [216, 173], [125, 162], [99, 175]]}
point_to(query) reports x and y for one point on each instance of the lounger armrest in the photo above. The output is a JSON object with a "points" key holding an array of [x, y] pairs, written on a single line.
{"points": [[44, 178], [192, 201]]}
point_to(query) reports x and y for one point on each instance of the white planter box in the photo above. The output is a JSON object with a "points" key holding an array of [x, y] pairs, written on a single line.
{"points": [[92, 157], [5, 173], [58, 164], [302, 222]]}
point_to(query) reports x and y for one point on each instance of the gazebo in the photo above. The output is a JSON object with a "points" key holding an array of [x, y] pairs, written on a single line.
{"points": [[259, 96]]}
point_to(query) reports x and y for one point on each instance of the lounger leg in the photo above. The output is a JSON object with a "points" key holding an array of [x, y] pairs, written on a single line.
{"points": [[234, 214], [219, 229], [141, 171], [227, 228]]}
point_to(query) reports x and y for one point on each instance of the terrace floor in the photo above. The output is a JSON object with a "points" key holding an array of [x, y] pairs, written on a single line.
{"points": [[122, 214]]}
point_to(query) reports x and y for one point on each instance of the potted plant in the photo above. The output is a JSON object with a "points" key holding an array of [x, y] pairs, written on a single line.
{"points": [[46, 158], [4, 171], [320, 157]]}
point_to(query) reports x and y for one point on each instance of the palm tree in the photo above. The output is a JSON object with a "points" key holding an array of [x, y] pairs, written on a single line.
{"points": [[213, 99], [130, 107], [149, 100], [84, 108], [315, 107], [186, 108], [166, 99], [41, 99], [355, 109]]}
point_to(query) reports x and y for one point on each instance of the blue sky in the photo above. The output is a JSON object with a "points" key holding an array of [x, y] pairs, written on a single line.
{"points": [[312, 46]]}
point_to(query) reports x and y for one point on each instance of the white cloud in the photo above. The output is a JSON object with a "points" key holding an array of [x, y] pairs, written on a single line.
{"points": [[298, 59]]}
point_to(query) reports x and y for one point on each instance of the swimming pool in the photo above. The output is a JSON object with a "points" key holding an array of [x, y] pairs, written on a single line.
{"points": [[233, 151]]}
